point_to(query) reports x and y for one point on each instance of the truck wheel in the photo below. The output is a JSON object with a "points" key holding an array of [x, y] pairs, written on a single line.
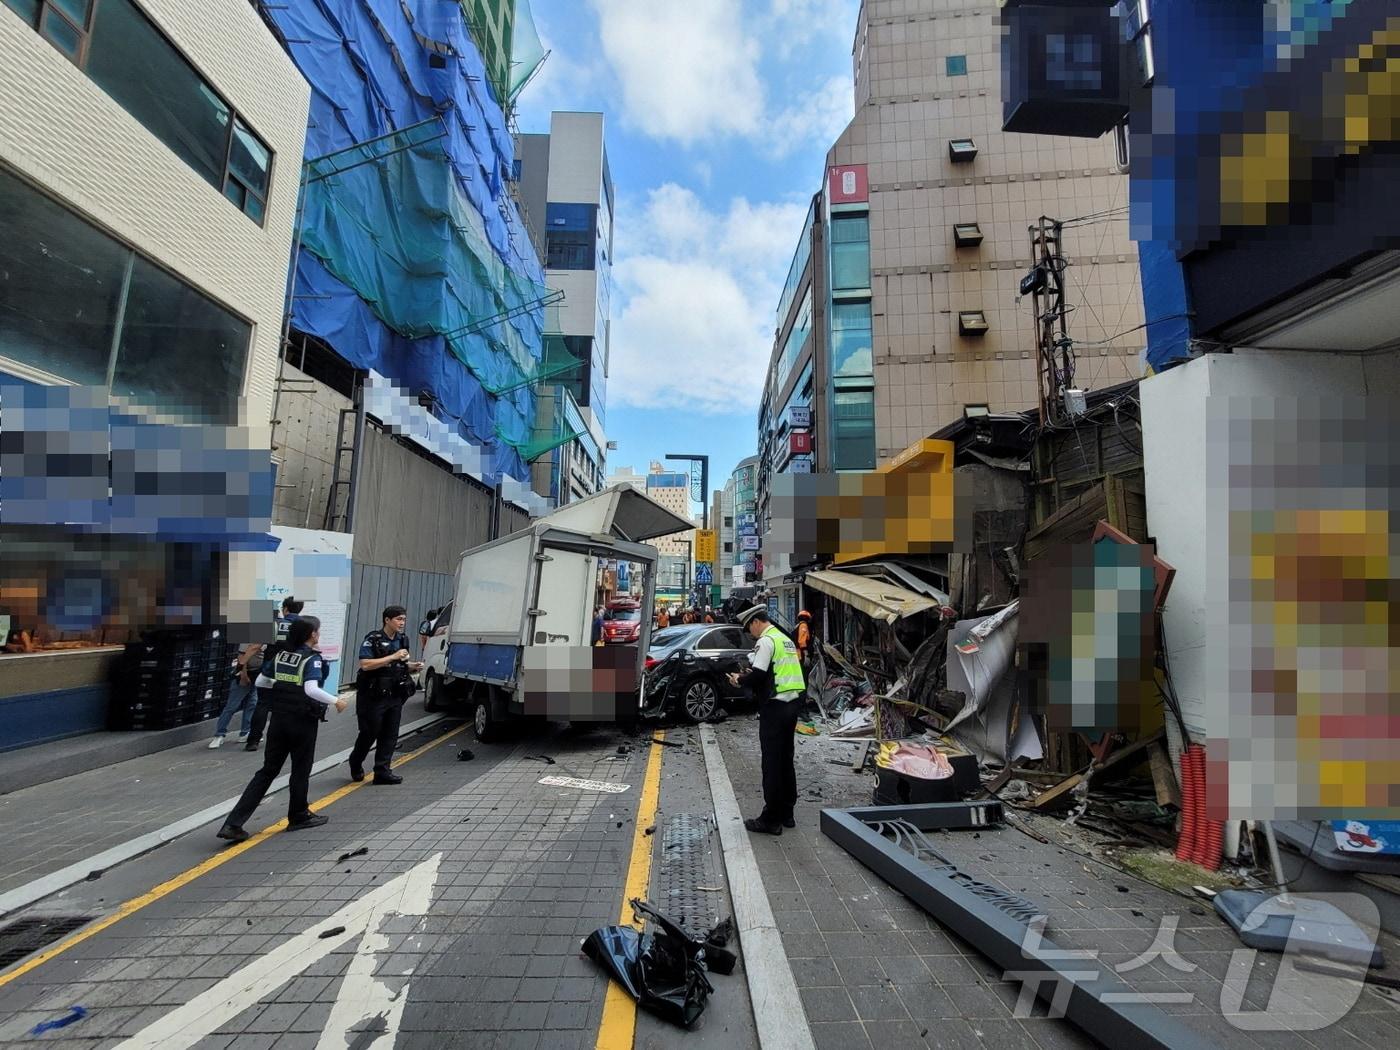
{"points": [[432, 692], [483, 722]]}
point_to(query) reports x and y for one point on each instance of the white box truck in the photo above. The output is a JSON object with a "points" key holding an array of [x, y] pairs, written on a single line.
{"points": [[535, 590]]}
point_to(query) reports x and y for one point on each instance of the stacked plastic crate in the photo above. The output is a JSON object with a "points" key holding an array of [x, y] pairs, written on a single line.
{"points": [[175, 676]]}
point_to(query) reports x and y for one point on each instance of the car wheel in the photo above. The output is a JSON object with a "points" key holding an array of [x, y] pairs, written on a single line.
{"points": [[701, 700], [483, 724], [432, 690]]}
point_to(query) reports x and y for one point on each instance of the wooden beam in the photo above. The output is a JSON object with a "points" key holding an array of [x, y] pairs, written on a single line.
{"points": [[1058, 793], [1164, 777]]}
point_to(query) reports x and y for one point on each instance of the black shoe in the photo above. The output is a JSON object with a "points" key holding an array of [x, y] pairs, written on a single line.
{"points": [[357, 773], [250, 746], [314, 820], [229, 833], [387, 778], [789, 823], [763, 827]]}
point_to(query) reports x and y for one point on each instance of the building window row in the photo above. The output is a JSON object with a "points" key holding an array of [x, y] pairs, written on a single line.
{"points": [[850, 253], [128, 57], [82, 307]]}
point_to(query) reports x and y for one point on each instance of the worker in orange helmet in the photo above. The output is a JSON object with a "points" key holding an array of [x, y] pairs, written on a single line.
{"points": [[804, 636]]}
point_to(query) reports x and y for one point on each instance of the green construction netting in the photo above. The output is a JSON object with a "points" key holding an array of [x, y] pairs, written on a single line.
{"points": [[549, 433], [424, 264], [527, 51]]}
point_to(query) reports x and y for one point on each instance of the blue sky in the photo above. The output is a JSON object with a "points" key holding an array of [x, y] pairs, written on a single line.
{"points": [[718, 115]]}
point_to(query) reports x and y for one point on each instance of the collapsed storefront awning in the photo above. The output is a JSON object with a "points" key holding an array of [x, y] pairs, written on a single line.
{"points": [[877, 599]]}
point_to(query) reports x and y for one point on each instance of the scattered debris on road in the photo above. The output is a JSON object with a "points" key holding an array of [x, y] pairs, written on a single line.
{"points": [[334, 931], [75, 1013], [363, 851]]}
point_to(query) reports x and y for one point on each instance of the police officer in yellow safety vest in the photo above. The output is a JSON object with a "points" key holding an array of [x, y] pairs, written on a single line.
{"points": [[293, 680], [775, 678]]}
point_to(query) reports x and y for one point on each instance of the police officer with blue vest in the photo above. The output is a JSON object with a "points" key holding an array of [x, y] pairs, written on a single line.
{"points": [[384, 683], [775, 679], [298, 704]]}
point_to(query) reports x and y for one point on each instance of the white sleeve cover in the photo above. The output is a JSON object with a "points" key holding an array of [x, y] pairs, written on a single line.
{"points": [[264, 682], [314, 690]]}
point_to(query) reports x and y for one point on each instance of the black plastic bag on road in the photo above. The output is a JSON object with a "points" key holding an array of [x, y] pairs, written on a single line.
{"points": [[660, 969]]}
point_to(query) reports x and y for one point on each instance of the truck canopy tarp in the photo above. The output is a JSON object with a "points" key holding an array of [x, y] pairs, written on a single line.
{"points": [[620, 511], [876, 598]]}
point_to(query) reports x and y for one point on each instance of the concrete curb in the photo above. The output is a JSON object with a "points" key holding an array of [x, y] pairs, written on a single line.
{"points": [[47, 885], [777, 1007]]}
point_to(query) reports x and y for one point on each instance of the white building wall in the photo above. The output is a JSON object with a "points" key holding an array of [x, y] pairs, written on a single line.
{"points": [[575, 158], [65, 134], [579, 311]]}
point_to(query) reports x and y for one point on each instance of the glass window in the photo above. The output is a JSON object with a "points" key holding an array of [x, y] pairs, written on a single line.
{"points": [[179, 350], [854, 424], [956, 65], [571, 235], [850, 253], [60, 286], [131, 61], [249, 165], [851, 340], [62, 25], [796, 339], [27, 9]]}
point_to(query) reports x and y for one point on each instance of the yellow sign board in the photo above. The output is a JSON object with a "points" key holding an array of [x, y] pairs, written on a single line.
{"points": [[706, 546]]}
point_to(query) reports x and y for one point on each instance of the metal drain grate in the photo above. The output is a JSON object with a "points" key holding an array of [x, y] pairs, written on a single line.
{"points": [[26, 936], [688, 862]]}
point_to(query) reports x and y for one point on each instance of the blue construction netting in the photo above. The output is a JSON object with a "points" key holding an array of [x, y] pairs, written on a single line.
{"points": [[408, 246]]}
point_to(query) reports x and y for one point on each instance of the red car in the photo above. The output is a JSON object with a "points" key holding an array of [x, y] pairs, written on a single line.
{"points": [[622, 623]]}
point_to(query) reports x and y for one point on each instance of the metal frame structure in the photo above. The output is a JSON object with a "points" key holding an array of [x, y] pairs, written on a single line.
{"points": [[1098, 1003]]}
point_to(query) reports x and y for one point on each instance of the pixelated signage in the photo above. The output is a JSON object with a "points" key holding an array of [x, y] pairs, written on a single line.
{"points": [[69, 458], [859, 514], [1301, 531], [800, 442], [847, 184], [799, 416]]}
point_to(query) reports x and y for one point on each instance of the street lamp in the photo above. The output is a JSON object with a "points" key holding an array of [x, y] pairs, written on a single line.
{"points": [[704, 497]]}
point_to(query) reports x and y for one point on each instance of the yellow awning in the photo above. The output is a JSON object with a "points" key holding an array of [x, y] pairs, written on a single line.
{"points": [[876, 598]]}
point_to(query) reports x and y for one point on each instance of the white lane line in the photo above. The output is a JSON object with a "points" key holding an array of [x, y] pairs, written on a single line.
{"points": [[777, 1008], [408, 894], [375, 1005], [47, 885]]}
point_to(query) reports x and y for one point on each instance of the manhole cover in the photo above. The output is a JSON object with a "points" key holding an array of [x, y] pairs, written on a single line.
{"points": [[26, 936], [688, 865]]}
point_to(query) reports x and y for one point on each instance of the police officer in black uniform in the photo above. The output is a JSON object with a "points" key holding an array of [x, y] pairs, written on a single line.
{"points": [[293, 680], [384, 683], [291, 610]]}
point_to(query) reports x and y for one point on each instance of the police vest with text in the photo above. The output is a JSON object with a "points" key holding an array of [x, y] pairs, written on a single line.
{"points": [[291, 670], [787, 669]]}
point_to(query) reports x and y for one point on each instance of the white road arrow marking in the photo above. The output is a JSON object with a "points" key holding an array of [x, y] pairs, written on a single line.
{"points": [[361, 998]]}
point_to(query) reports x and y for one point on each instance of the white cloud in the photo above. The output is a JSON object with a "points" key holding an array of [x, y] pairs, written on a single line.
{"points": [[688, 69], [694, 71], [696, 293], [818, 118]]}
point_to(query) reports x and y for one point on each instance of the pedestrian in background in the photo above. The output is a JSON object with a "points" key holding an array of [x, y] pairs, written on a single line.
{"points": [[597, 636], [299, 706], [775, 679], [290, 613], [804, 638], [663, 618], [242, 694], [383, 685]]}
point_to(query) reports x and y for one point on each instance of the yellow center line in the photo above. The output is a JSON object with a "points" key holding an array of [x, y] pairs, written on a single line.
{"points": [[618, 1028], [204, 867]]}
